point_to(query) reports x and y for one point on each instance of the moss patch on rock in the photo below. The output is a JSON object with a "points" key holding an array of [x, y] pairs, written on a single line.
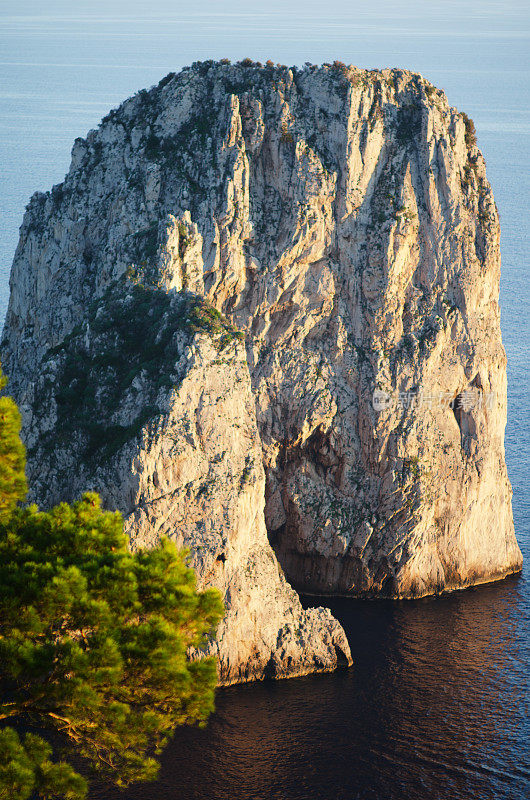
{"points": [[113, 371]]}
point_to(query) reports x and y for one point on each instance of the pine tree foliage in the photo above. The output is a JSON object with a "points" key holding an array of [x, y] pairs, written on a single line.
{"points": [[26, 770], [13, 486], [94, 643]]}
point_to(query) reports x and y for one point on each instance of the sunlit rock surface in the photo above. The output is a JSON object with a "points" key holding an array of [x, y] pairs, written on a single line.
{"points": [[349, 398]]}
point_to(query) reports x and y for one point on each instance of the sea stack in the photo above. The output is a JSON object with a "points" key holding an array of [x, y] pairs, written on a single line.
{"points": [[260, 316]]}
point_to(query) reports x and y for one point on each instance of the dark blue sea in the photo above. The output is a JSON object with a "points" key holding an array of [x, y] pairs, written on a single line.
{"points": [[436, 706]]}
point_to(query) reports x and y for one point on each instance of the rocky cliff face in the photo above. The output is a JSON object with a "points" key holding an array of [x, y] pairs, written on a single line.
{"points": [[270, 296], [149, 400]]}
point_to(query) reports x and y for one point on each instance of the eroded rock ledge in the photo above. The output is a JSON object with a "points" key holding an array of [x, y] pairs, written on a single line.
{"points": [[200, 315]]}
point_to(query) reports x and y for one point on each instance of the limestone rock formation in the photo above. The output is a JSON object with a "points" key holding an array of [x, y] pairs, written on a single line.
{"points": [[149, 402], [340, 222]]}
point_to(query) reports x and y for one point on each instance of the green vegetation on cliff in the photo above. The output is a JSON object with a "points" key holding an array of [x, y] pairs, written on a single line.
{"points": [[125, 355]]}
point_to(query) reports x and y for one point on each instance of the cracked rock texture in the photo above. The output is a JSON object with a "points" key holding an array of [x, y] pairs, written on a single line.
{"points": [[340, 222], [149, 402]]}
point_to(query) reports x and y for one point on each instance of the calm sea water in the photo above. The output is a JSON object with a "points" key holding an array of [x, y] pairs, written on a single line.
{"points": [[436, 706]]}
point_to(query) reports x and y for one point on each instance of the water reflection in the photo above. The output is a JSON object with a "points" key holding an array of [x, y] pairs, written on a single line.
{"points": [[436, 706]]}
